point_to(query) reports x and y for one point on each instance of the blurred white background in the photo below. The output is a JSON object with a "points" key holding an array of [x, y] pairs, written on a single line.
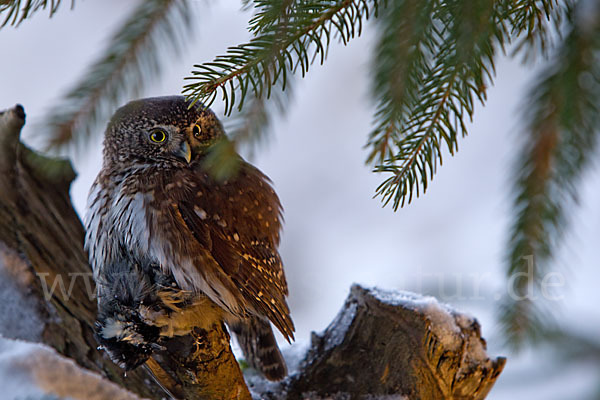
{"points": [[449, 242]]}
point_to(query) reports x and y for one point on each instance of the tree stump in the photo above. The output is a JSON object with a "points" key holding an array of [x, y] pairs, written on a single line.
{"points": [[396, 343]]}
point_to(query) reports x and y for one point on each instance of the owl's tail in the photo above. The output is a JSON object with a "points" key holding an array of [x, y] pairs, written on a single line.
{"points": [[258, 343]]}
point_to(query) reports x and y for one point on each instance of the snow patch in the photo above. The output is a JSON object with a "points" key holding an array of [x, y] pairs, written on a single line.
{"points": [[259, 386], [17, 383], [340, 325], [19, 313], [32, 370], [294, 355], [443, 318]]}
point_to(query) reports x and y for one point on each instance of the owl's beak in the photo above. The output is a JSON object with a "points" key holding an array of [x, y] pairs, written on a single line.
{"points": [[184, 152]]}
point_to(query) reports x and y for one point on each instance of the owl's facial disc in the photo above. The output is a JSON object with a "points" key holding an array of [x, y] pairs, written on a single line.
{"points": [[160, 130]]}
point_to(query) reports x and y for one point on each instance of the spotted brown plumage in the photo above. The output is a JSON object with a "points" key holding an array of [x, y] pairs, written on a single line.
{"points": [[197, 248]]}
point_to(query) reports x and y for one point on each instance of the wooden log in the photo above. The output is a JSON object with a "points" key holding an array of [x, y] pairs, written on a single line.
{"points": [[393, 345]]}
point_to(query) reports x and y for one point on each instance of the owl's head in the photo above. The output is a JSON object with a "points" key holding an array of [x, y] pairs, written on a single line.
{"points": [[163, 130]]}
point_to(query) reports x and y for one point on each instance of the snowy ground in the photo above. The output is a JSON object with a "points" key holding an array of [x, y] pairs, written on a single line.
{"points": [[448, 242], [34, 371]]}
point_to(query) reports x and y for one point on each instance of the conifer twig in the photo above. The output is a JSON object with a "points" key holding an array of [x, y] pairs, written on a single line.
{"points": [[564, 119], [132, 59]]}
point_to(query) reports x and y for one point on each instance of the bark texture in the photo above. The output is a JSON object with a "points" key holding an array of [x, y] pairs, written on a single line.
{"points": [[381, 345], [396, 344]]}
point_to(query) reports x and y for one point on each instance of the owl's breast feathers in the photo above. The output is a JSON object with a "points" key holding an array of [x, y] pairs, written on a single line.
{"points": [[217, 238]]}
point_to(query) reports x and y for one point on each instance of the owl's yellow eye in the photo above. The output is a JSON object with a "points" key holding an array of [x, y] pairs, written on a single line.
{"points": [[196, 131], [158, 136]]}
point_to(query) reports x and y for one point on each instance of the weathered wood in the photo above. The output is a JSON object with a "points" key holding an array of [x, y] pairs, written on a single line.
{"points": [[403, 345], [41, 243], [201, 366]]}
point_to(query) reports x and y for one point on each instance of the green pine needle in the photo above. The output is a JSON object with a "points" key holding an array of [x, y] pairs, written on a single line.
{"points": [[133, 59], [16, 11], [247, 128], [564, 121], [537, 24], [251, 125], [434, 60], [288, 37]]}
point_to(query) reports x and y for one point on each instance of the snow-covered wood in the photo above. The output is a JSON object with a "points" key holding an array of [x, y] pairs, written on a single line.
{"points": [[392, 345]]}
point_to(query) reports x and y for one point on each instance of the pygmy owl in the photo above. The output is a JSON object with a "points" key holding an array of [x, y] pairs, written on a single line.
{"points": [[166, 239]]}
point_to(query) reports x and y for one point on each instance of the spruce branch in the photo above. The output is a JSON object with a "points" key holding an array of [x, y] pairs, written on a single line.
{"points": [[563, 111], [401, 65], [434, 60], [16, 11], [248, 128], [537, 25], [133, 58], [289, 35], [251, 125]]}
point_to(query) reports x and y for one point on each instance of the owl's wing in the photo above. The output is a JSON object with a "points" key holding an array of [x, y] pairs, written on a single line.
{"points": [[239, 222]]}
